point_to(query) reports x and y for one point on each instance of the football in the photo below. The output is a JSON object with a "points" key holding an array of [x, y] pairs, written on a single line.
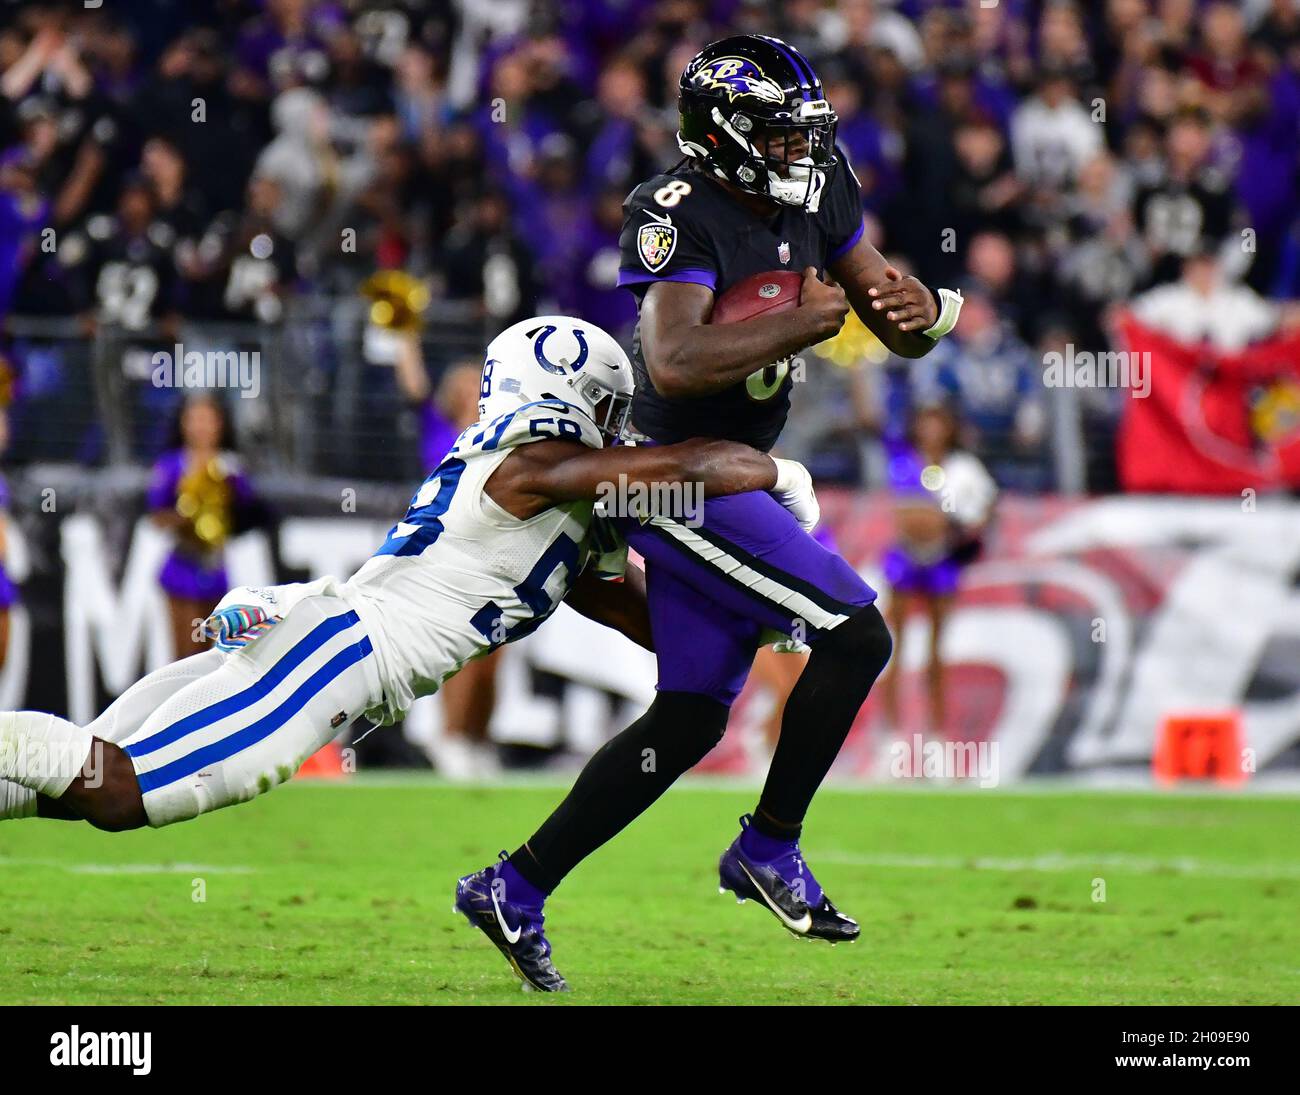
{"points": [[772, 292]]}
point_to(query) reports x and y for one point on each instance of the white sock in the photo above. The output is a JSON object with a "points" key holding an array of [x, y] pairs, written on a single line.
{"points": [[16, 801], [42, 752]]}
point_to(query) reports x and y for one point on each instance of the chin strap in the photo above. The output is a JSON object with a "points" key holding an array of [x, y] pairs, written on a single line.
{"points": [[949, 303]]}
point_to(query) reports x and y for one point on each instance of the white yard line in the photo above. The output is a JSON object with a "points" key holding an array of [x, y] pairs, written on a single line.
{"points": [[195, 869], [1059, 862], [1032, 788]]}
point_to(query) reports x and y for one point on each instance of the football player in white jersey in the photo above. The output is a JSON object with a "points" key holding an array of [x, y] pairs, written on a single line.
{"points": [[494, 539]]}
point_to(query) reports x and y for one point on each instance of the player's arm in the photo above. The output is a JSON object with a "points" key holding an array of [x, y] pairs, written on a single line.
{"points": [[894, 307], [537, 476], [687, 357], [620, 605]]}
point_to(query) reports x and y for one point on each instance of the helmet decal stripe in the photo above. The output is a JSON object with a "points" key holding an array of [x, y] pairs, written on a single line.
{"points": [[801, 67]]}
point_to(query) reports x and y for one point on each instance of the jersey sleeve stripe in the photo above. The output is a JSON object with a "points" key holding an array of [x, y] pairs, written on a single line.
{"points": [[844, 248], [707, 278]]}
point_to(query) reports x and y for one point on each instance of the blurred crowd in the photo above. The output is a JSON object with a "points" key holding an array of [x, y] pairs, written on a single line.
{"points": [[220, 159]]}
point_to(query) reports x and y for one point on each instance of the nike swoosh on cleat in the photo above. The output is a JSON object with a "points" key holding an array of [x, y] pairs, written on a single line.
{"points": [[512, 936], [800, 926]]}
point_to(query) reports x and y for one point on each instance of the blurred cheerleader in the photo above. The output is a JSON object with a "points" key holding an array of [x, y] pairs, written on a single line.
{"points": [[199, 493], [944, 499]]}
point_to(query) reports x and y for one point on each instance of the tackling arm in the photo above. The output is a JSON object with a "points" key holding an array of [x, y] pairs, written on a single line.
{"points": [[537, 476]]}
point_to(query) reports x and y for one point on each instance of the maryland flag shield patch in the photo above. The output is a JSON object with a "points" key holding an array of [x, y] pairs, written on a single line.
{"points": [[655, 243]]}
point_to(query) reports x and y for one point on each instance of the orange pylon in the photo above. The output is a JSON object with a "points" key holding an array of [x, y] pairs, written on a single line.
{"points": [[326, 763], [1200, 745]]}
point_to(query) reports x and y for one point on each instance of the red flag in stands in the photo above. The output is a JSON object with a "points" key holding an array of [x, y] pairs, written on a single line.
{"points": [[1213, 422]]}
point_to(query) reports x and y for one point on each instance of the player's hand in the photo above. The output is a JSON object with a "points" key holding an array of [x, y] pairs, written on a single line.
{"points": [[794, 490], [906, 302], [823, 306]]}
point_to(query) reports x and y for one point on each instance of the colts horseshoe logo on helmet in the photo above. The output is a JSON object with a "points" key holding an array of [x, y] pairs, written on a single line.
{"points": [[563, 367]]}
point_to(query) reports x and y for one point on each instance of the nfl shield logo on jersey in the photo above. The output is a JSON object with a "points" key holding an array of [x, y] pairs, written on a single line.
{"points": [[783, 253], [656, 243]]}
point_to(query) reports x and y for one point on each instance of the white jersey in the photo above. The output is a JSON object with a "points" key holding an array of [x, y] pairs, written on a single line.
{"points": [[458, 575]]}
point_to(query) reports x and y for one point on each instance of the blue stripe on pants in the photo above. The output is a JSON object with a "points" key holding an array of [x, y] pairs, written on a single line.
{"points": [[260, 689], [263, 728]]}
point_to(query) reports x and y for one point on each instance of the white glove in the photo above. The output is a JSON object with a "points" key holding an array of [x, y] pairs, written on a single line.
{"points": [[794, 490]]}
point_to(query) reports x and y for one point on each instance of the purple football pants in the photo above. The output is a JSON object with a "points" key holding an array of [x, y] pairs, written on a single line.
{"points": [[713, 589]]}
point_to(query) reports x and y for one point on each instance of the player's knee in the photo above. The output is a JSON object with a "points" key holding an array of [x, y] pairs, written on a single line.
{"points": [[116, 804], [698, 721], [862, 640]]}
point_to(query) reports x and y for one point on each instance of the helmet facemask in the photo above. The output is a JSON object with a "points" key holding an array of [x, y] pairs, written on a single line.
{"points": [[604, 406], [785, 160]]}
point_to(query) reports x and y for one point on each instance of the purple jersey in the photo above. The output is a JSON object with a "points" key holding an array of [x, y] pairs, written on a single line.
{"points": [[683, 226]]}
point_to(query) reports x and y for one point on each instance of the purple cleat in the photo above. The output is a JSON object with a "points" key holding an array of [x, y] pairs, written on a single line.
{"points": [[786, 886], [514, 927]]}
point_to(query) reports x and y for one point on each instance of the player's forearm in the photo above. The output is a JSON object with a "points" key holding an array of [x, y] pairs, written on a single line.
{"points": [[557, 471], [864, 269], [719, 467], [702, 359], [903, 343]]}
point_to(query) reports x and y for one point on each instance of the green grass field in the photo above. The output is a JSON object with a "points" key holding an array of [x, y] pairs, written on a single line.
{"points": [[342, 894]]}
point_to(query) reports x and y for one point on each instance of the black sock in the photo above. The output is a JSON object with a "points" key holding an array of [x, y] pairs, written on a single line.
{"points": [[623, 779], [843, 666]]}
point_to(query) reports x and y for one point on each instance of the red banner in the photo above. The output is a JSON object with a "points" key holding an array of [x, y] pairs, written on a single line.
{"points": [[1213, 422]]}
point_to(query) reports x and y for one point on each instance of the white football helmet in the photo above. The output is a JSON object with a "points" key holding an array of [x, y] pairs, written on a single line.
{"points": [[558, 357]]}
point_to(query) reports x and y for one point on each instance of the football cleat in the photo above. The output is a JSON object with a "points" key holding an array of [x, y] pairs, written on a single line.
{"points": [[515, 929], [788, 889]]}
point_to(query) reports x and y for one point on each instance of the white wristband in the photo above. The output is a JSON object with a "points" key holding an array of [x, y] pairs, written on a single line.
{"points": [[950, 303], [790, 476]]}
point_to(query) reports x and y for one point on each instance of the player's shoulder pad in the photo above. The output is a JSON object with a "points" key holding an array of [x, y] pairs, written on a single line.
{"points": [[545, 420], [846, 166], [668, 196]]}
